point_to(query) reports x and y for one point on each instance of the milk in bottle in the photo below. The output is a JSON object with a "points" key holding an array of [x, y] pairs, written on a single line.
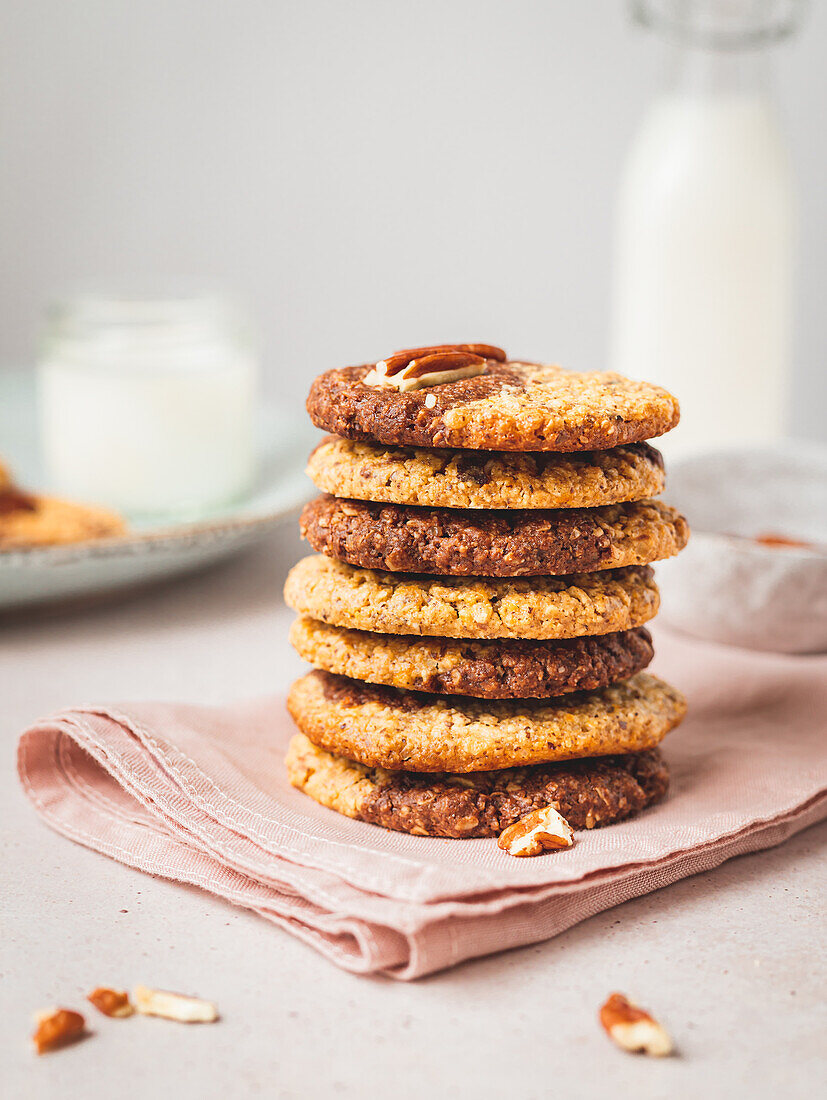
{"points": [[702, 295]]}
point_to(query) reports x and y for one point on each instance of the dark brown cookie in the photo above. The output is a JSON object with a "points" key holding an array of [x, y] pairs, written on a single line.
{"points": [[518, 543], [513, 406], [498, 669], [588, 793]]}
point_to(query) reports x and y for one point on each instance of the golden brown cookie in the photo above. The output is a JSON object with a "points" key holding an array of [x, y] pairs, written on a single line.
{"points": [[512, 406], [28, 520], [485, 479], [382, 727], [588, 793], [498, 669], [456, 607], [519, 543]]}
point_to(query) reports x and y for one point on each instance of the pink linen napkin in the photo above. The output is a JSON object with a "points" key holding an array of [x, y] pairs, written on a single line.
{"points": [[199, 795]]}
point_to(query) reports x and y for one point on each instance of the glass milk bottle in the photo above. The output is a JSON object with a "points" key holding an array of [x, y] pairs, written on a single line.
{"points": [[147, 404], [702, 296]]}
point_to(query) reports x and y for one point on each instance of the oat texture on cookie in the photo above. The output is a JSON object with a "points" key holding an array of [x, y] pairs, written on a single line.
{"points": [[443, 478], [413, 731]]}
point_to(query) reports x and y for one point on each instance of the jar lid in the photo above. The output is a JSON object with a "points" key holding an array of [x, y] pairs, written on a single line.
{"points": [[148, 329]]}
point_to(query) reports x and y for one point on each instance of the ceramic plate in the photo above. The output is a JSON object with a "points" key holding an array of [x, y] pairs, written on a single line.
{"points": [[153, 550]]}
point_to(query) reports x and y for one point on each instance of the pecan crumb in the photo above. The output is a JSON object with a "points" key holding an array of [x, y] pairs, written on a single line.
{"points": [[540, 831], [57, 1027], [13, 499], [633, 1029], [111, 1002], [772, 539]]}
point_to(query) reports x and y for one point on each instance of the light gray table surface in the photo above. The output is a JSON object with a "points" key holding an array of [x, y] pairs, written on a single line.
{"points": [[732, 961]]}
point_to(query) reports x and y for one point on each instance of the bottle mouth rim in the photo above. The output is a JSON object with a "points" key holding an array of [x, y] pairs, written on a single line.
{"points": [[729, 32]]}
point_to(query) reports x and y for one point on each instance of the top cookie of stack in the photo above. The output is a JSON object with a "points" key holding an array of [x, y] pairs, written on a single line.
{"points": [[516, 501]]}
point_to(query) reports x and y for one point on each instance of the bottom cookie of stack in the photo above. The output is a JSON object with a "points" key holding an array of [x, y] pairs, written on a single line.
{"points": [[588, 792]]}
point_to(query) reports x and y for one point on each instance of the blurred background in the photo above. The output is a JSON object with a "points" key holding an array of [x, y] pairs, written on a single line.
{"points": [[364, 175]]}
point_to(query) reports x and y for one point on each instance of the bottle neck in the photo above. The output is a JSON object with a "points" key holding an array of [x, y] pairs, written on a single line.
{"points": [[699, 71], [718, 46]]}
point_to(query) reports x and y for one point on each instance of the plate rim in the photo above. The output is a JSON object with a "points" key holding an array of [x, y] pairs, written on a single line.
{"points": [[158, 539]]}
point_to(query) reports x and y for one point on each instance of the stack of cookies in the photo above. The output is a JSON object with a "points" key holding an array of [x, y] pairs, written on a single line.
{"points": [[475, 612]]}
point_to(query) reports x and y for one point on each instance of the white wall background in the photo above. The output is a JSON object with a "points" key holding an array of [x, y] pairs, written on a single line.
{"points": [[366, 173]]}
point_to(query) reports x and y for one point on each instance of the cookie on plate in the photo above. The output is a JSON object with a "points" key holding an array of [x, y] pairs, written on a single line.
{"points": [[516, 543], [588, 793], [460, 607], [382, 727], [497, 669], [28, 520], [507, 406], [443, 478]]}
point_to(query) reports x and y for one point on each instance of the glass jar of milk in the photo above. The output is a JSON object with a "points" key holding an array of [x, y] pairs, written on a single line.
{"points": [[702, 296], [148, 404]]}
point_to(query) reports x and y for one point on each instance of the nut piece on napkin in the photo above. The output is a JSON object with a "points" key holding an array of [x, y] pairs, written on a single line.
{"points": [[540, 831]]}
